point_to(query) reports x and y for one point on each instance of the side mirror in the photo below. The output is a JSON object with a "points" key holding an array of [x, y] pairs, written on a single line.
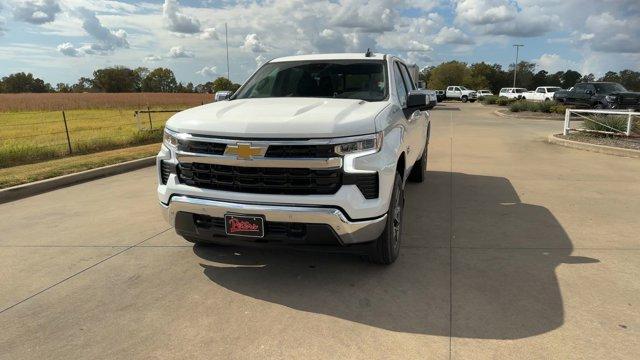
{"points": [[417, 99]]}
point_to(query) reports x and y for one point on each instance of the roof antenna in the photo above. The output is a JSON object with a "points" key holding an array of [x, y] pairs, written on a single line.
{"points": [[368, 53]]}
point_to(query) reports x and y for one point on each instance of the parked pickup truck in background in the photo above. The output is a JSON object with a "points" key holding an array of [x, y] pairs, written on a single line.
{"points": [[512, 93], [461, 93], [483, 93], [311, 152], [542, 93], [599, 95]]}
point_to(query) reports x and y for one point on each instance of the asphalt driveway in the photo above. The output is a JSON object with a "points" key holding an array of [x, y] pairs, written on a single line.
{"points": [[513, 248]]}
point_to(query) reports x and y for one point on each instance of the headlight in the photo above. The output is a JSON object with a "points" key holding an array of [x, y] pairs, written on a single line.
{"points": [[360, 144], [170, 140], [610, 98]]}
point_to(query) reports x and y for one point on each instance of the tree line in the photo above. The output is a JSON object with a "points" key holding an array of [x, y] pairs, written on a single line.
{"points": [[475, 76], [116, 79], [493, 77]]}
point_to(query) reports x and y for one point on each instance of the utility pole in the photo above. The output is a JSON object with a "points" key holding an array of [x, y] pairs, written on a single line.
{"points": [[226, 40], [515, 67]]}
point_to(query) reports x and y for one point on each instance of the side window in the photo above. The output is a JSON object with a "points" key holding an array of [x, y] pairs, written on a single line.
{"points": [[591, 87], [542, 90], [407, 77], [457, 88], [449, 88], [401, 90], [580, 87]]}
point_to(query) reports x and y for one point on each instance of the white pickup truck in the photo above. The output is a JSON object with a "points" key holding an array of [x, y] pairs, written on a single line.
{"points": [[461, 93], [542, 93], [311, 152]]}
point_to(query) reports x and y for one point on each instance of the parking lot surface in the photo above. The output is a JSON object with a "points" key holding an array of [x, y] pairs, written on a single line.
{"points": [[513, 248]]}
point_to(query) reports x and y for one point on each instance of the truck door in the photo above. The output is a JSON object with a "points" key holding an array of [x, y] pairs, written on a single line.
{"points": [[409, 118]]}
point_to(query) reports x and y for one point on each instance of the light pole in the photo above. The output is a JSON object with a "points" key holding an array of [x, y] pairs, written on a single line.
{"points": [[515, 67], [226, 41]]}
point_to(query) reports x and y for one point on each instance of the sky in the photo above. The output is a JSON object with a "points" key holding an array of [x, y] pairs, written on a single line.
{"points": [[62, 40]]}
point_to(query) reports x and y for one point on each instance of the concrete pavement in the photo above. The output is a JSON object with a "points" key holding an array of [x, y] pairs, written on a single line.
{"points": [[514, 248]]}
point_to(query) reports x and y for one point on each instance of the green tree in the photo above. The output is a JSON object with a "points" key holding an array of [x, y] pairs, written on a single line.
{"points": [[160, 80], [446, 74], [115, 79], [610, 76], [63, 88], [630, 79], [84, 84], [540, 79], [23, 83], [570, 78]]}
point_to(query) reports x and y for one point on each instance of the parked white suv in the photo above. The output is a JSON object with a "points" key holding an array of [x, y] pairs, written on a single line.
{"points": [[512, 93], [483, 93], [312, 151], [461, 93]]}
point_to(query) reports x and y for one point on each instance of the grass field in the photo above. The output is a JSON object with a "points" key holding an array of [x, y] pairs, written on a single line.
{"points": [[29, 137], [33, 172], [102, 130], [73, 101]]}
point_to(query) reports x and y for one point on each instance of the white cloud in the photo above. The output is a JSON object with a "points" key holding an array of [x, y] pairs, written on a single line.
{"points": [[208, 71], [612, 35], [152, 58], [209, 34], [37, 11], [374, 16], [106, 40], [260, 60], [554, 63], [178, 22], [68, 49], [253, 44], [179, 51], [452, 35], [483, 12], [503, 17]]}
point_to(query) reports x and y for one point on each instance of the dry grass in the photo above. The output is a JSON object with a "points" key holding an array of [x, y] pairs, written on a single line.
{"points": [[71, 101], [27, 173], [28, 137]]}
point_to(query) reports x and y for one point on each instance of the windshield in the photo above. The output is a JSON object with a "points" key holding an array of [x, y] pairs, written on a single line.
{"points": [[608, 88], [463, 88], [364, 80]]}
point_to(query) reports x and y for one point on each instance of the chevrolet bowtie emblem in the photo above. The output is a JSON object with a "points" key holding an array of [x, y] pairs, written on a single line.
{"points": [[244, 150]]}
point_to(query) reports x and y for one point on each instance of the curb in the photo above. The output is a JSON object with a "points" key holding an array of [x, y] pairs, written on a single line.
{"points": [[38, 187], [603, 149]]}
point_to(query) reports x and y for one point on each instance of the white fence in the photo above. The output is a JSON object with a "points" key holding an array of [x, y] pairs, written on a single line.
{"points": [[583, 114]]}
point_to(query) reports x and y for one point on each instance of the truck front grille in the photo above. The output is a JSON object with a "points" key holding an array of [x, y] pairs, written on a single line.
{"points": [[201, 147], [274, 151], [260, 180]]}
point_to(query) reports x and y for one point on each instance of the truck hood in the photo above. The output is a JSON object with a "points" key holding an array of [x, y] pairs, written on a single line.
{"points": [[280, 118]]}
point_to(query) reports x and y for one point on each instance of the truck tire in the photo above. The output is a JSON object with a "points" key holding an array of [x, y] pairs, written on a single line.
{"points": [[464, 98], [419, 169], [387, 246]]}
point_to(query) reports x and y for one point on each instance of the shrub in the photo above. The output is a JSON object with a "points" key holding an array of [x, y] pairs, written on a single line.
{"points": [[543, 107], [557, 108], [503, 101], [489, 100], [609, 123]]}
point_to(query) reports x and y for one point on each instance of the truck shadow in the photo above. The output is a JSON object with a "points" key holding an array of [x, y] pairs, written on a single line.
{"points": [[504, 257]]}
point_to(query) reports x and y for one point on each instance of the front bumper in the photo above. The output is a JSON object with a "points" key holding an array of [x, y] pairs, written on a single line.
{"points": [[347, 231]]}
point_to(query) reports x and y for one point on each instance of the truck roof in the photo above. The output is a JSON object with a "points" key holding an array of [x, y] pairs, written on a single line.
{"points": [[337, 56]]}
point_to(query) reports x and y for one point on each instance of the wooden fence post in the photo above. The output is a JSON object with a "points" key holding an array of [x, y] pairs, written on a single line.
{"points": [[149, 113], [66, 129]]}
